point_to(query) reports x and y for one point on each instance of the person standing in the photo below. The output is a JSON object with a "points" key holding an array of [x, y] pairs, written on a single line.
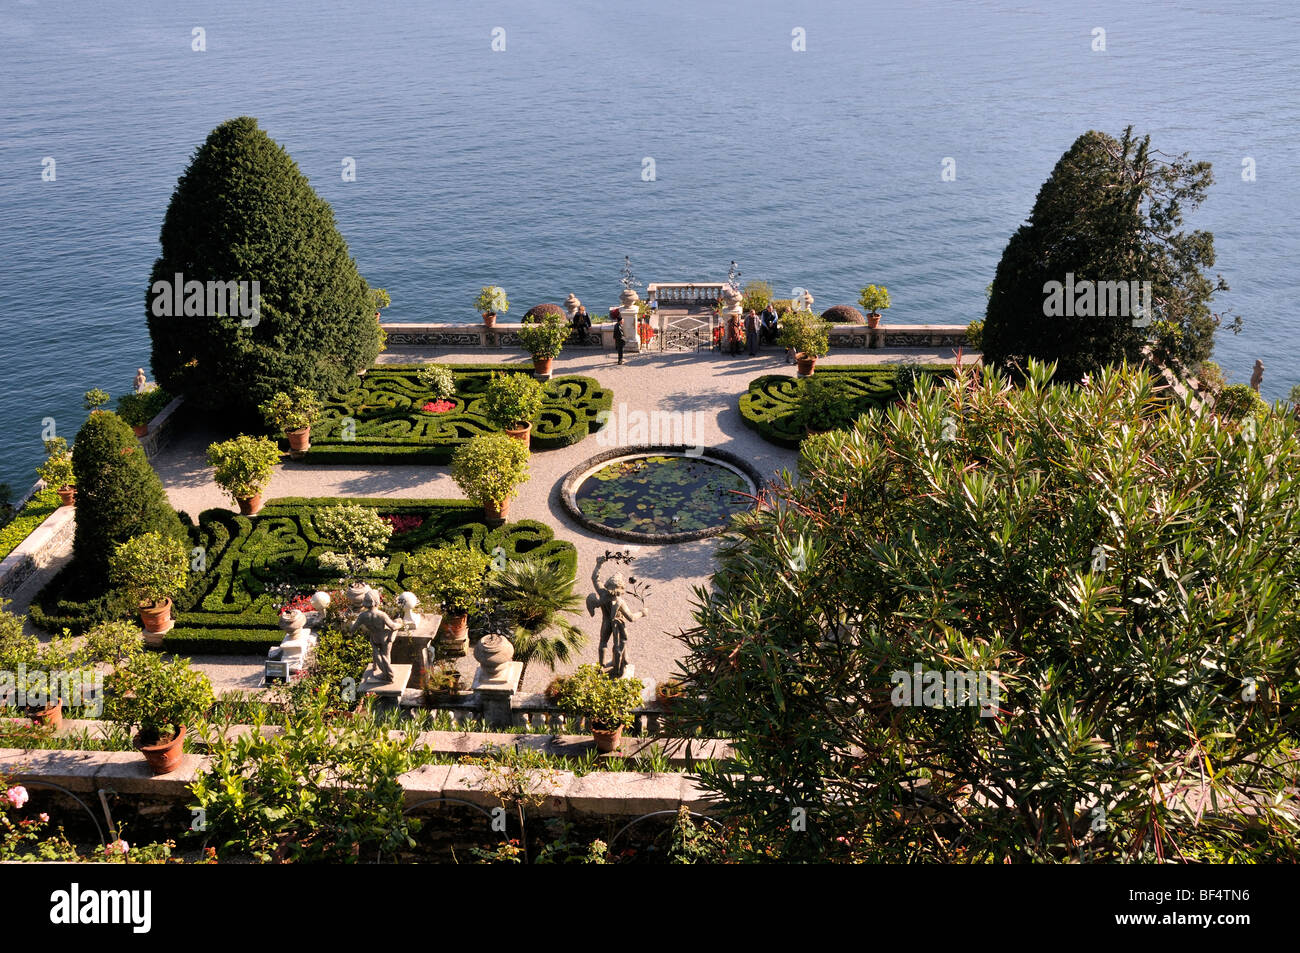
{"points": [[733, 334], [751, 331], [619, 338]]}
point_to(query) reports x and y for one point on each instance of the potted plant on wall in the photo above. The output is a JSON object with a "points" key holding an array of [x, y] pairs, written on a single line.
{"points": [[244, 466], [544, 340], [808, 336], [160, 699], [875, 298], [511, 403], [488, 469], [453, 578], [293, 413], [57, 472], [607, 703], [490, 302], [151, 568], [138, 409]]}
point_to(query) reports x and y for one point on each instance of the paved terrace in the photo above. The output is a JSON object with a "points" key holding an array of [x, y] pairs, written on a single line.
{"points": [[708, 383]]}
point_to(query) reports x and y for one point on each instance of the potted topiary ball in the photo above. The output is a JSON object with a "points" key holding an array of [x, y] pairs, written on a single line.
{"points": [[875, 298], [453, 578], [244, 466], [57, 471], [512, 402], [488, 469], [607, 703], [293, 412], [152, 568], [160, 699], [544, 340], [808, 336], [490, 302]]}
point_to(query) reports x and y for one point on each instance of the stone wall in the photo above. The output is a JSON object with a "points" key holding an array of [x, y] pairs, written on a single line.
{"points": [[49, 541], [161, 429]]}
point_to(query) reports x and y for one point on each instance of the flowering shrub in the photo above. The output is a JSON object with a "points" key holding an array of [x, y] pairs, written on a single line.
{"points": [[403, 523], [438, 406]]}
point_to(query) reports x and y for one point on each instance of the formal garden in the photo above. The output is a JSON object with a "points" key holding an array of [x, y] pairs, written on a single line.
{"points": [[1032, 599]]}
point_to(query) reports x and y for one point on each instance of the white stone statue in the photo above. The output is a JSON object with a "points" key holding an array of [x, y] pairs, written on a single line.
{"points": [[381, 629], [410, 618], [141, 382]]}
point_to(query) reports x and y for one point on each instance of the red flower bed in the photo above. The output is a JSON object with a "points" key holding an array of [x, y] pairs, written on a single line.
{"points": [[301, 603], [403, 524], [438, 406]]}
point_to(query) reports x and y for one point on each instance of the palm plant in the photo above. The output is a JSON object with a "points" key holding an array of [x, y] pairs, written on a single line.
{"points": [[533, 597]]}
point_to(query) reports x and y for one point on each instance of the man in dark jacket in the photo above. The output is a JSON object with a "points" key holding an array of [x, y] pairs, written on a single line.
{"points": [[751, 331], [619, 339]]}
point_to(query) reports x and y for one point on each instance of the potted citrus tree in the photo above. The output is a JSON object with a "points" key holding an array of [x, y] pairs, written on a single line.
{"points": [[159, 699], [57, 471], [293, 413], [137, 409], [875, 298], [488, 469], [511, 403], [453, 578], [244, 466], [151, 568], [544, 340], [490, 302], [808, 336], [607, 703]]}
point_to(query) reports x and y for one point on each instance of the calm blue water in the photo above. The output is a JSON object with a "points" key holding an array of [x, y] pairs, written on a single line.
{"points": [[523, 168]]}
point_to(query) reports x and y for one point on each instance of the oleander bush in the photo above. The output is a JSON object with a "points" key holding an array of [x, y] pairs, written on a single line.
{"points": [[379, 418], [771, 405]]}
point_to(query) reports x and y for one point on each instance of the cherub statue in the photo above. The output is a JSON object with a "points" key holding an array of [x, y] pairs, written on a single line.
{"points": [[1257, 376], [381, 629], [140, 381], [614, 612]]}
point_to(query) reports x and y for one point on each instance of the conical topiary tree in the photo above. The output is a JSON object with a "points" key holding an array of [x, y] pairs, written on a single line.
{"points": [[118, 496], [243, 211]]}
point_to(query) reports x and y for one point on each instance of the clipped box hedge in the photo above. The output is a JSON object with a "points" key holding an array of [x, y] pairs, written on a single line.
{"points": [[769, 404], [34, 512], [388, 425], [228, 608]]}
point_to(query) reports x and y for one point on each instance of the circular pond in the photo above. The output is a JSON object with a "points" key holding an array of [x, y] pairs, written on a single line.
{"points": [[659, 494]]}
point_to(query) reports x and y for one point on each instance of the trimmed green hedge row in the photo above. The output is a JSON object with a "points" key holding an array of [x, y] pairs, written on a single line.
{"points": [[231, 606], [34, 512], [387, 424], [769, 404]]}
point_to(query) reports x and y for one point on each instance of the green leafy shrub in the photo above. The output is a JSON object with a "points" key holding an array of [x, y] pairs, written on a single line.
{"points": [[57, 470], [806, 333], [825, 404], [158, 697], [354, 534], [843, 314], [34, 512], [95, 398], [513, 400], [975, 335], [244, 465], [378, 419], [439, 380], [490, 468], [451, 577], [544, 339], [491, 300], [113, 642], [138, 409], [756, 296], [243, 211], [296, 409], [1119, 570], [875, 298], [607, 703], [1237, 401], [151, 567], [1209, 377]]}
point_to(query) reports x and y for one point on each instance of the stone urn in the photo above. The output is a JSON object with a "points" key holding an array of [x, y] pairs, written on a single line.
{"points": [[572, 304], [627, 310], [292, 622], [355, 595], [320, 603], [494, 652]]}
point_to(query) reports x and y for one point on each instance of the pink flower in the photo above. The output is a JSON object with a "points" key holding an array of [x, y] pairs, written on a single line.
{"points": [[118, 846], [17, 795], [45, 818]]}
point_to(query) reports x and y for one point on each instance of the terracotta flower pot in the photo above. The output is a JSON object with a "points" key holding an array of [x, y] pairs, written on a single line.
{"points": [[250, 505], [299, 440], [542, 367], [489, 319], [805, 364], [140, 430], [163, 758], [51, 715], [67, 495], [454, 633], [523, 434], [607, 741], [495, 513], [873, 321], [156, 618]]}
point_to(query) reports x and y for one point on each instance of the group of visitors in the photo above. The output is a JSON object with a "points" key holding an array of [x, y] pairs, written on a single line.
{"points": [[751, 330]]}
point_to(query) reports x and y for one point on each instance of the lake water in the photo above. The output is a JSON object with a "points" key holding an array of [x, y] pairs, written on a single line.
{"points": [[524, 167]]}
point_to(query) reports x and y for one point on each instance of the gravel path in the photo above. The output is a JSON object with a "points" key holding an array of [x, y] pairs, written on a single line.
{"points": [[705, 384]]}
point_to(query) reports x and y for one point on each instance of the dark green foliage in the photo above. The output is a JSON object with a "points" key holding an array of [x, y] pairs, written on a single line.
{"points": [[118, 496], [770, 406], [1125, 566], [34, 512], [243, 211], [391, 427], [1110, 212], [1238, 400]]}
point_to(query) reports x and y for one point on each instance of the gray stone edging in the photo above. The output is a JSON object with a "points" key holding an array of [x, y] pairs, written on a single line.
{"points": [[569, 486], [43, 545]]}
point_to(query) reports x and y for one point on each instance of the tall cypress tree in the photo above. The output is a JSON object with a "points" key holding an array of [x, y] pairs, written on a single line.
{"points": [[118, 496], [1111, 211], [243, 211]]}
